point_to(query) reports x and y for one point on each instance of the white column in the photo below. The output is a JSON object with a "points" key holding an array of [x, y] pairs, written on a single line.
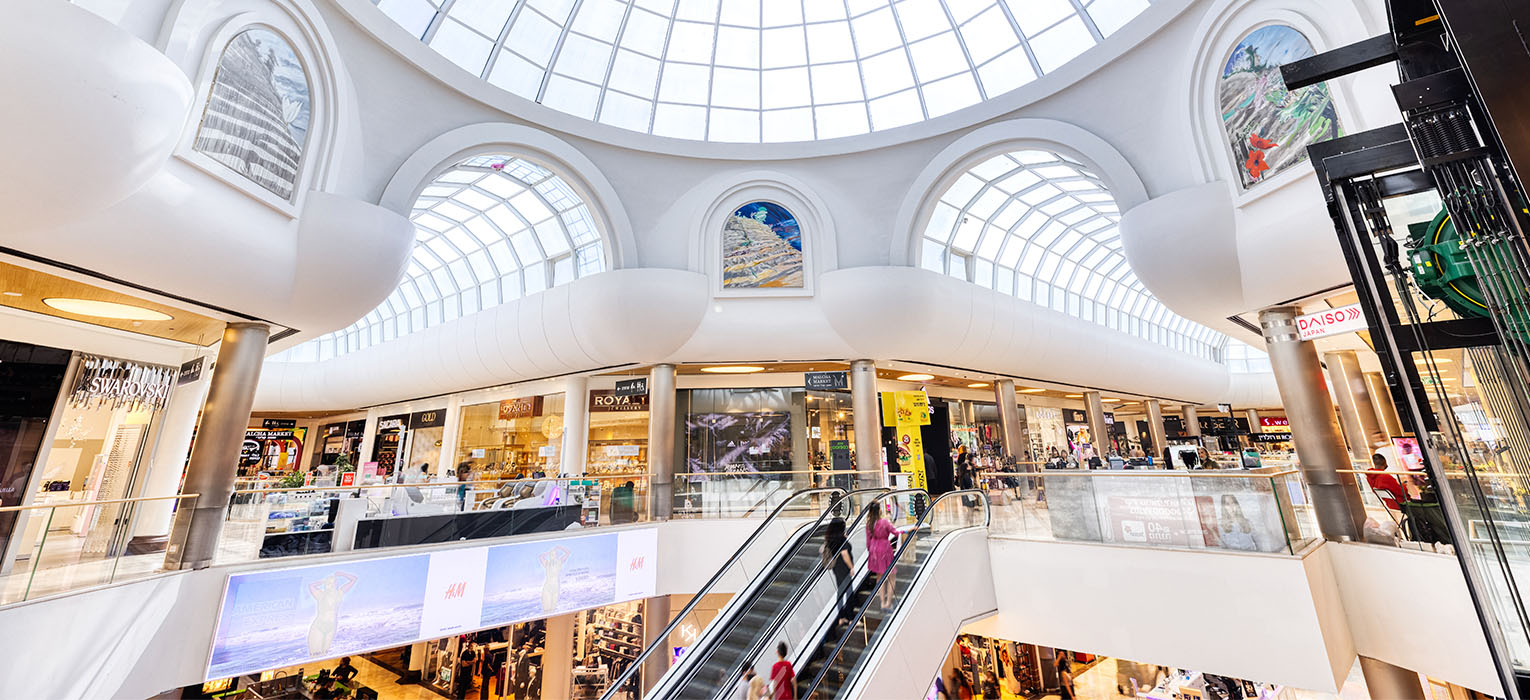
{"points": [[451, 436], [558, 657], [368, 439], [1192, 417], [866, 412], [576, 425], [168, 462]]}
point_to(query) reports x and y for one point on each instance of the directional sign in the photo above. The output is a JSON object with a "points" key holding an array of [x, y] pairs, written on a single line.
{"points": [[1345, 319]]}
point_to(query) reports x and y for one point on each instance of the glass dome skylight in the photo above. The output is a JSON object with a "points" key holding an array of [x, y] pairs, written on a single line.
{"points": [[1042, 227], [760, 70], [490, 230]]}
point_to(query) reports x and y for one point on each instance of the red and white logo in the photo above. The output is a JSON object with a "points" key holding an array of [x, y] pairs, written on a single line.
{"points": [[456, 590], [636, 564], [1345, 319]]}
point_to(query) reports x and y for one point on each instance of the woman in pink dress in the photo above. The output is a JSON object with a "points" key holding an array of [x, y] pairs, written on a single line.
{"points": [[879, 549]]}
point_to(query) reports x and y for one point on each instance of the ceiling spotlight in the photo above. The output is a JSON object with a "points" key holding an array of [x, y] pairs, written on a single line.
{"points": [[916, 377], [733, 369], [1075, 396], [977, 385], [105, 309]]}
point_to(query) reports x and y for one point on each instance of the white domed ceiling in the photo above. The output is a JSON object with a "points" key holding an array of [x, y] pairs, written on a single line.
{"points": [[752, 71]]}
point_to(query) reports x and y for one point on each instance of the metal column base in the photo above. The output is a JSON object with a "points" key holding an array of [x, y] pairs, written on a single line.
{"points": [[1388, 682]]}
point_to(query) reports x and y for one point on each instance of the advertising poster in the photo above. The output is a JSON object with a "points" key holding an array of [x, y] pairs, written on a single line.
{"points": [[1150, 520], [757, 441], [907, 411], [278, 618], [286, 617]]}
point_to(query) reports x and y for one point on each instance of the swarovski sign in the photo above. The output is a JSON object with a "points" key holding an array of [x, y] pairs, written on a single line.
{"points": [[106, 380]]}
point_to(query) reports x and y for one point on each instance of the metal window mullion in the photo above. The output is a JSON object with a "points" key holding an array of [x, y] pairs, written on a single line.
{"points": [[616, 47], [1083, 14], [1025, 44], [961, 41], [908, 55], [865, 94], [558, 49], [669, 33], [499, 43], [706, 129], [435, 22]]}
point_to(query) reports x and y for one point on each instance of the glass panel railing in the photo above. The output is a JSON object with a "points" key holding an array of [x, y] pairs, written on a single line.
{"points": [[797, 516], [72, 545], [740, 494], [1255, 511], [958, 510]]}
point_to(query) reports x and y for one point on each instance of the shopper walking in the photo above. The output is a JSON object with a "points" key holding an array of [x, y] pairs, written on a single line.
{"points": [[879, 549], [741, 689], [783, 678], [1065, 676]]}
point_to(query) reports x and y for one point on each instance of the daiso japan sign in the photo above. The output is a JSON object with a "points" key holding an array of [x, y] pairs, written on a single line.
{"points": [[1345, 319]]}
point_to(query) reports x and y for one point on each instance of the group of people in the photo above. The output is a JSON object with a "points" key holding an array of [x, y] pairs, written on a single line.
{"points": [[331, 685], [1411, 500], [781, 685]]}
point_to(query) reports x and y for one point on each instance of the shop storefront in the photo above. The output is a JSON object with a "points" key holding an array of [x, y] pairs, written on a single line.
{"points": [[1047, 432], [272, 450], [339, 442], [104, 431], [618, 443], [407, 441], [514, 438]]}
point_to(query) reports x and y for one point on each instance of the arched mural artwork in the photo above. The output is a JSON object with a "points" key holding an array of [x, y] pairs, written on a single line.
{"points": [[1269, 127], [257, 115], [762, 248]]}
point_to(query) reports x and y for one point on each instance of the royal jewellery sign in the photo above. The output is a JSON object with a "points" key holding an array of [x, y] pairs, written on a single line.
{"points": [[612, 402], [1345, 319], [114, 382]]}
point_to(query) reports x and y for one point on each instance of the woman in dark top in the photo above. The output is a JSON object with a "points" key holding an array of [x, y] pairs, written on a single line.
{"points": [[836, 555]]}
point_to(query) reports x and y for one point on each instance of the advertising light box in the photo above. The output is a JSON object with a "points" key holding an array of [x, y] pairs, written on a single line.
{"points": [[270, 619]]}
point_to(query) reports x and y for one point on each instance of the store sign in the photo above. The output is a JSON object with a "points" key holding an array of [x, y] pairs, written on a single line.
{"points": [[611, 402], [826, 381], [839, 455], [348, 479], [1345, 319], [278, 423], [393, 601], [1275, 423], [1271, 437], [631, 387], [1224, 408], [191, 370], [906, 411], [622, 450], [427, 419], [116, 383], [1075, 416], [393, 423], [525, 407], [333, 429]]}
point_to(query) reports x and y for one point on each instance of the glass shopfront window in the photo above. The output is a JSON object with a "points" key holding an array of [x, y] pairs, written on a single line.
{"points": [[618, 434], [514, 438]]}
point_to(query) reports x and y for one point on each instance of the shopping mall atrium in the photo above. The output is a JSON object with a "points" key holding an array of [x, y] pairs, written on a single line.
{"points": [[886, 349]]}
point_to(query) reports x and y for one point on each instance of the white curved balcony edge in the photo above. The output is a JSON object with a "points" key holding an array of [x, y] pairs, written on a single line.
{"points": [[617, 317], [94, 112], [904, 313], [189, 234]]}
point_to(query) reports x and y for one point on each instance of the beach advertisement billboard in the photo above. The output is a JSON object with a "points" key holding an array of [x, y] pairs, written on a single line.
{"points": [[269, 619]]}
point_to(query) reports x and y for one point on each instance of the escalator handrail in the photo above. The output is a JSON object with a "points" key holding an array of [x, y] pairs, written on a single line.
{"points": [[659, 640], [815, 527], [800, 592], [882, 581]]}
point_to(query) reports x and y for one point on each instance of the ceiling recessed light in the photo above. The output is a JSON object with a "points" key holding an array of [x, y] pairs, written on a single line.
{"points": [[1110, 400], [1030, 391], [11, 294], [1075, 396], [733, 369], [105, 309], [915, 377], [977, 385]]}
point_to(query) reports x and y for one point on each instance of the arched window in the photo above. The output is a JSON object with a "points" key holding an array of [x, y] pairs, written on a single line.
{"points": [[258, 110], [1042, 227], [762, 247], [489, 230], [1269, 127]]}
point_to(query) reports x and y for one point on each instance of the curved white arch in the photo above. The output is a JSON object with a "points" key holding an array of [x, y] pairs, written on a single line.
{"points": [[452, 147], [726, 192], [990, 140]]}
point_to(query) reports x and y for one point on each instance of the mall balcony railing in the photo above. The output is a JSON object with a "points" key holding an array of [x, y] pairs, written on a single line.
{"points": [[268, 522], [1262, 510], [72, 545]]}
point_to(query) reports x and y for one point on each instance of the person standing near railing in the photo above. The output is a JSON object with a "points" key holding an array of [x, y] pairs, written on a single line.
{"points": [[783, 678], [879, 548], [464, 472]]}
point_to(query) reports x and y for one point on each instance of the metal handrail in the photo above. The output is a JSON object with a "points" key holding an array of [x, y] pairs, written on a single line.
{"points": [[75, 504], [807, 582], [660, 639], [442, 484], [882, 581], [1192, 473]]}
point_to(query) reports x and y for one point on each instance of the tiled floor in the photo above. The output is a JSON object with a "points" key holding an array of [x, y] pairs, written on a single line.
{"points": [[1099, 683]]}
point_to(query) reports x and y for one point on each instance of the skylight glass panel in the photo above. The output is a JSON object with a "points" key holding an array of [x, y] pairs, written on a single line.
{"points": [[474, 249], [647, 65], [1008, 214]]}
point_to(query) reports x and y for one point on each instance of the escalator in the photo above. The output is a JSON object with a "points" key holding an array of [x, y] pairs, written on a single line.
{"points": [[764, 576]]}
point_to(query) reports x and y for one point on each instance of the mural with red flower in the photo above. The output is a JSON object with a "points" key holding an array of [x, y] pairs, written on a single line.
{"points": [[1269, 127]]}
